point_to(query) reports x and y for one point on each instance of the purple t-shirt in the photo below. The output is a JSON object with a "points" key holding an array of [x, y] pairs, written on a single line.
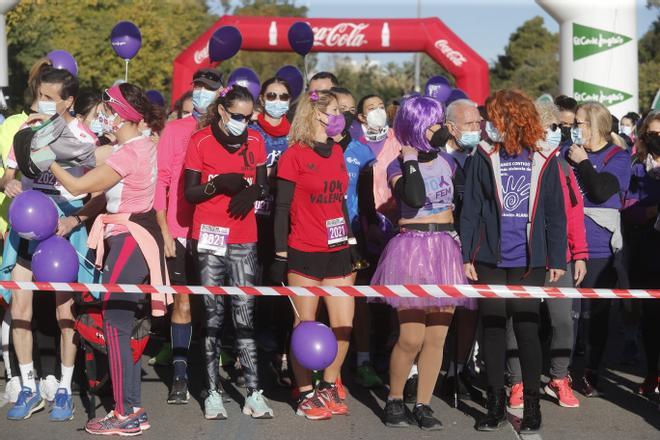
{"points": [[598, 238], [516, 174], [438, 183]]}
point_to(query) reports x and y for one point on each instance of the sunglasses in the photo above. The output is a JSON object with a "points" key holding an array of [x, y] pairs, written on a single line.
{"points": [[105, 97], [240, 117], [207, 75], [272, 96]]}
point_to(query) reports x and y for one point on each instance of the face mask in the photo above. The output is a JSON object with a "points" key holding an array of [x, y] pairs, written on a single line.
{"points": [[469, 139], [147, 132], [335, 125], [576, 136], [440, 138], [47, 107], [377, 119], [492, 132], [276, 109], [234, 127], [565, 134], [349, 117], [96, 127], [106, 123], [626, 129], [202, 98], [553, 138], [652, 143]]}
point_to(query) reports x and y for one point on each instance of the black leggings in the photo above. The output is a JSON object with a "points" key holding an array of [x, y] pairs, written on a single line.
{"points": [[596, 312], [525, 315]]}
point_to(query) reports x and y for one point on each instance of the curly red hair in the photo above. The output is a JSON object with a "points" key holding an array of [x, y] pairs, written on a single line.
{"points": [[514, 115]]}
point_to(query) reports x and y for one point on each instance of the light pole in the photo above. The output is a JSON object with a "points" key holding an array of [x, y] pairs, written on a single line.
{"points": [[5, 6]]}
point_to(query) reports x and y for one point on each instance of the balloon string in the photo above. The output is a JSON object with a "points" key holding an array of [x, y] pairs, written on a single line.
{"points": [[305, 71], [295, 310], [126, 71], [92, 264]]}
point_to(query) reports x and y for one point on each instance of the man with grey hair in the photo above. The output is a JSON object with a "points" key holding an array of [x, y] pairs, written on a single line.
{"points": [[463, 121]]}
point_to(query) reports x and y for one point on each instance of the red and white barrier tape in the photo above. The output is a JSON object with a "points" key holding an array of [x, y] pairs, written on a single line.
{"points": [[410, 291]]}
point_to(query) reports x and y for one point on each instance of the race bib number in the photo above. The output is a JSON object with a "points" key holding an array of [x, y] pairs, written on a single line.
{"points": [[46, 183], [337, 232], [264, 207], [213, 240]]}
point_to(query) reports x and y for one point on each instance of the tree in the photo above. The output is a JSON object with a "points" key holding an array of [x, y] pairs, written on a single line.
{"points": [[649, 65], [82, 27], [530, 61]]}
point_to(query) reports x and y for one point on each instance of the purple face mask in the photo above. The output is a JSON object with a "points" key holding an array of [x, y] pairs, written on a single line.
{"points": [[335, 125]]}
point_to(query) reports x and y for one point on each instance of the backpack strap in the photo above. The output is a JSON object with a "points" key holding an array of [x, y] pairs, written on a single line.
{"points": [[566, 171]]}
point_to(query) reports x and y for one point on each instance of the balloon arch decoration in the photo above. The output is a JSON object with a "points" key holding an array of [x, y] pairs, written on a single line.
{"points": [[429, 35]]}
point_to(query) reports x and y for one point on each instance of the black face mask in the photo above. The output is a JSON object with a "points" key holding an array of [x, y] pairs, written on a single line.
{"points": [[230, 142], [565, 134], [350, 117], [652, 143], [440, 138]]}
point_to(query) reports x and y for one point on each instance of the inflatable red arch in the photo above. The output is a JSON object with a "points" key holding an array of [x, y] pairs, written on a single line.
{"points": [[428, 35]]}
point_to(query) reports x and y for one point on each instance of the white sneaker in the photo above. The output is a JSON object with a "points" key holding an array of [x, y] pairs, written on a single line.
{"points": [[256, 406]]}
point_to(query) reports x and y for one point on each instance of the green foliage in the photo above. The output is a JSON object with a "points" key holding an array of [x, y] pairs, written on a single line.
{"points": [[530, 61], [82, 27], [649, 65]]}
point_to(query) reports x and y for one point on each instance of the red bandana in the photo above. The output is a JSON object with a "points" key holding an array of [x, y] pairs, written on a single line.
{"points": [[274, 130]]}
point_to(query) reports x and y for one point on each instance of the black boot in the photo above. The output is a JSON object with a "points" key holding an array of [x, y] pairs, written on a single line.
{"points": [[531, 421], [496, 406]]}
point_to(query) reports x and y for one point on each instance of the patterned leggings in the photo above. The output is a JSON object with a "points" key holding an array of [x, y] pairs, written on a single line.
{"points": [[239, 268]]}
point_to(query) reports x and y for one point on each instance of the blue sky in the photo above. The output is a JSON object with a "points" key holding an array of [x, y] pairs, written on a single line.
{"points": [[472, 20]]}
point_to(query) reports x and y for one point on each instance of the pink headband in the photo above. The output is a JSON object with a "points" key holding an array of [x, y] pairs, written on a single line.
{"points": [[121, 106]]}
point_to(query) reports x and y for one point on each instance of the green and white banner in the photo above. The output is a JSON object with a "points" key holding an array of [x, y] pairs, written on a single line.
{"points": [[588, 40], [584, 91]]}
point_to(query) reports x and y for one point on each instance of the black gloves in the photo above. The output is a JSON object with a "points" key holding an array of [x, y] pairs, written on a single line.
{"points": [[278, 270], [230, 183], [243, 202]]}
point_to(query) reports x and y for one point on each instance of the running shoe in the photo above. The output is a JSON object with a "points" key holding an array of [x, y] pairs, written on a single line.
{"points": [[330, 398], [113, 424], [179, 394], [561, 390], [143, 418], [256, 406], [410, 389], [163, 357], [424, 416], [28, 403], [341, 389], [650, 387], [62, 409], [366, 376], [397, 414], [590, 384], [214, 409], [516, 396], [312, 407]]}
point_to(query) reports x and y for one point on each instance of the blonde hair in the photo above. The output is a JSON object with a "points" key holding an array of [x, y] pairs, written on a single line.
{"points": [[548, 112], [304, 122], [600, 121]]}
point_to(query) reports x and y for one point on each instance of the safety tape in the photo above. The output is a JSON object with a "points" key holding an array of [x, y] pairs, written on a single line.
{"points": [[404, 291]]}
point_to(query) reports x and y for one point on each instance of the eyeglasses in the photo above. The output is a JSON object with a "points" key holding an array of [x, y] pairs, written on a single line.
{"points": [[240, 117], [272, 96], [105, 97], [207, 75]]}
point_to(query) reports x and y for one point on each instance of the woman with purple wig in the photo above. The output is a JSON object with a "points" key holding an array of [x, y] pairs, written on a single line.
{"points": [[426, 251]]}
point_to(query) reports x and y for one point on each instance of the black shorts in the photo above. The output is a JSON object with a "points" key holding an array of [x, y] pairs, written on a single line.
{"points": [[320, 265], [23, 257], [182, 269]]}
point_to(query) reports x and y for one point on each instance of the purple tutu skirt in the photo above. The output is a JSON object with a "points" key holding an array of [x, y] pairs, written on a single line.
{"points": [[422, 258]]}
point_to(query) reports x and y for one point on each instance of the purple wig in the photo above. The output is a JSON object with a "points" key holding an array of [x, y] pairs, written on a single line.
{"points": [[414, 117]]}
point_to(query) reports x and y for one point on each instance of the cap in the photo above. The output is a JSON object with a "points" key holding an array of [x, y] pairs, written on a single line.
{"points": [[209, 77]]}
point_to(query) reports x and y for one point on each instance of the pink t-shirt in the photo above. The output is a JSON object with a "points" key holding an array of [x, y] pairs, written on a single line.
{"points": [[135, 162], [171, 154]]}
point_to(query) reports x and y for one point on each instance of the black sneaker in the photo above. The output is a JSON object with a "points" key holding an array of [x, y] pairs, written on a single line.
{"points": [[179, 394], [424, 416], [531, 421], [495, 419], [397, 414], [410, 390]]}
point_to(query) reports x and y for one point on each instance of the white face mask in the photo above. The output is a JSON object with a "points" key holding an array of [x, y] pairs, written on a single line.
{"points": [[47, 107], [377, 119], [626, 129], [234, 127]]}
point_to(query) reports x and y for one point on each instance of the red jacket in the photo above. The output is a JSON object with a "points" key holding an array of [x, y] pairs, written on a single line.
{"points": [[574, 206]]}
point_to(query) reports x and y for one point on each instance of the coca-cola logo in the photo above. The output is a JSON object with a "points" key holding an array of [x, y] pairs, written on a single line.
{"points": [[201, 55], [452, 55], [341, 35]]}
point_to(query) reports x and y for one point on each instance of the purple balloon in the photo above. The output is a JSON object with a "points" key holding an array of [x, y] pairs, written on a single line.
{"points": [[246, 77], [33, 215], [294, 77], [155, 97], [301, 37], [314, 345], [61, 59], [455, 95], [55, 261], [126, 39], [438, 87], [224, 43]]}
